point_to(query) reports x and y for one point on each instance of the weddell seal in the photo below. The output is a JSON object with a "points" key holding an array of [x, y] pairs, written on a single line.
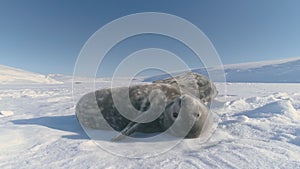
{"points": [[193, 84], [150, 108]]}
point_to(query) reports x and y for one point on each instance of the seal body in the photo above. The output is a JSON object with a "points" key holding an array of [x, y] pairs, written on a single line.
{"points": [[156, 108], [193, 84]]}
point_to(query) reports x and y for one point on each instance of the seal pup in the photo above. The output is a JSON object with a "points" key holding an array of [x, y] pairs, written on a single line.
{"points": [[181, 115], [194, 84]]}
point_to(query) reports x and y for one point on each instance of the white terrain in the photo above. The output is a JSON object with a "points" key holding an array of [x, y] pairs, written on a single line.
{"points": [[9, 75], [258, 123]]}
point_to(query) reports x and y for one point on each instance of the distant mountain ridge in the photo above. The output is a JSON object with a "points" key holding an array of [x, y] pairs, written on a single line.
{"points": [[10, 75], [276, 71]]}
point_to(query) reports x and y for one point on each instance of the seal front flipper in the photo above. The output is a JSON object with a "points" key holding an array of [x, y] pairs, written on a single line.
{"points": [[132, 127], [128, 130]]}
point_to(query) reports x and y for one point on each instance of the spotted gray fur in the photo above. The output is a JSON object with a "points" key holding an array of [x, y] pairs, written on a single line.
{"points": [[96, 110], [194, 84]]}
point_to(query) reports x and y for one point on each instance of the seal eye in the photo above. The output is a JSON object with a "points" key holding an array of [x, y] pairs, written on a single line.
{"points": [[175, 114]]}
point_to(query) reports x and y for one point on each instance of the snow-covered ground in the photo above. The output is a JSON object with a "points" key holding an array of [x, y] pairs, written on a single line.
{"points": [[259, 127]]}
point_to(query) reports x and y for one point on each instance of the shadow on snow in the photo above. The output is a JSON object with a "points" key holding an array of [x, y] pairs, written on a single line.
{"points": [[64, 123]]}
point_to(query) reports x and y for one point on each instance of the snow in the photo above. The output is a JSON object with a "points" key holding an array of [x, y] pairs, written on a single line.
{"points": [[278, 71], [9, 75], [258, 127], [6, 113]]}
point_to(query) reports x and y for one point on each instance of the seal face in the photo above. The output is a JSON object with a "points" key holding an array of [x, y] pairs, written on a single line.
{"points": [[181, 115], [193, 84], [190, 120]]}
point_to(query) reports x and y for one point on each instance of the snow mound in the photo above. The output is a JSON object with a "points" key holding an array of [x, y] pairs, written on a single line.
{"points": [[9, 75], [6, 113], [277, 108]]}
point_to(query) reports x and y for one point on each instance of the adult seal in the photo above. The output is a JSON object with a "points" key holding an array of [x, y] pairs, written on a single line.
{"points": [[157, 108]]}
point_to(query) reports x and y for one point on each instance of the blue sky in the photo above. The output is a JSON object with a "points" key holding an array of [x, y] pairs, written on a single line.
{"points": [[47, 36]]}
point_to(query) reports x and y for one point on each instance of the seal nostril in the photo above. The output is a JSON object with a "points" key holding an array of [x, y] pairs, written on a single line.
{"points": [[175, 114]]}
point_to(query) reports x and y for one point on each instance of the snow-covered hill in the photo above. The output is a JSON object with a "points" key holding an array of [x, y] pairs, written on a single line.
{"points": [[278, 71], [9, 75]]}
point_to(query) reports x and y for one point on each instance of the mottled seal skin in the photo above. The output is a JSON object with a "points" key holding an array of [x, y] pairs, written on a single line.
{"points": [[191, 120], [194, 84], [97, 110]]}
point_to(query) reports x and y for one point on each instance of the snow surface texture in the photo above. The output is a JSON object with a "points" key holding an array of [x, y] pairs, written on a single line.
{"points": [[259, 127]]}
